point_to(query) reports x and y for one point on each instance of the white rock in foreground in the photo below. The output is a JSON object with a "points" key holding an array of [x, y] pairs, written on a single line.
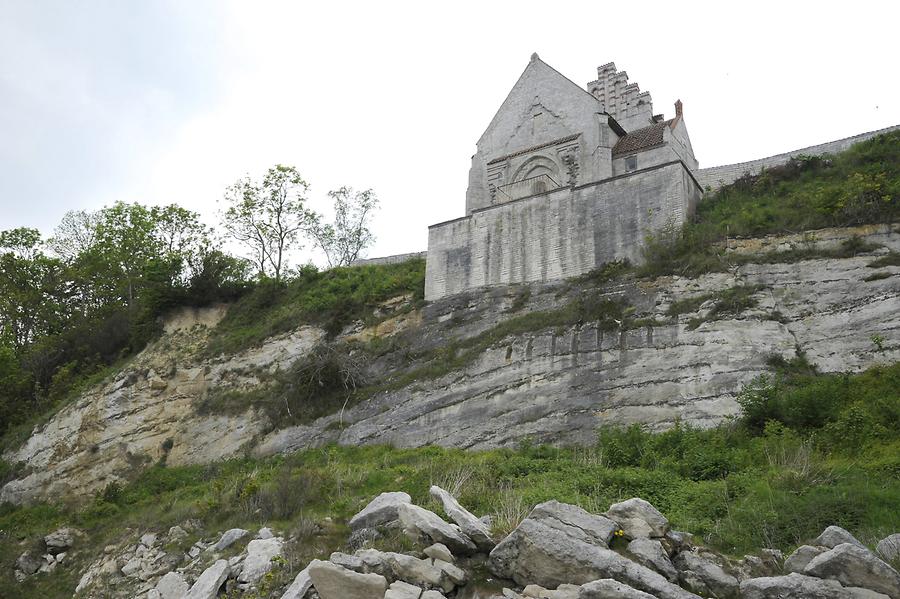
{"points": [[610, 589], [833, 536], [380, 511], [301, 585], [474, 528], [260, 553], [638, 518], [419, 522], [172, 586], [334, 582], [209, 583], [853, 566]]}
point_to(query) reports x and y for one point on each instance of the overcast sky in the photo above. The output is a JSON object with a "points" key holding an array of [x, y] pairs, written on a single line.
{"points": [[160, 102]]}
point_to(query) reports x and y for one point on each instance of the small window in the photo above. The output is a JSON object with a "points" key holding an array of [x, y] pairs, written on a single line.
{"points": [[539, 187], [630, 164]]}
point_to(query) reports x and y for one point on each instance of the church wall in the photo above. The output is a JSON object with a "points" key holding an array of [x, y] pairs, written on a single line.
{"points": [[558, 234]]}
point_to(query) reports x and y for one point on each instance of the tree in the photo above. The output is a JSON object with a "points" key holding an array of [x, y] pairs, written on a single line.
{"points": [[344, 240], [268, 217], [75, 234]]}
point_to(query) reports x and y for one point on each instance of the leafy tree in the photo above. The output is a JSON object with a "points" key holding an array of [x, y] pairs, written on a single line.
{"points": [[31, 288], [75, 234], [349, 235], [268, 217]]}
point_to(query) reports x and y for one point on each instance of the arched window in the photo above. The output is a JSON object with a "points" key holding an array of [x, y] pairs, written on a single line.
{"points": [[539, 187]]}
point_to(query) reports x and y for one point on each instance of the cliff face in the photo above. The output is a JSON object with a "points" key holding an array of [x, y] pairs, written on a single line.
{"points": [[547, 384]]}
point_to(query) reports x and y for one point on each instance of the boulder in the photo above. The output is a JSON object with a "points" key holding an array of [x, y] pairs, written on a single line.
{"points": [[148, 539], [650, 553], [853, 566], [176, 533], [638, 518], [402, 590], [439, 551], [610, 589], [352, 562], [563, 591], [258, 562], [229, 537], [380, 511], [432, 594], [543, 551], [265, 533], [334, 582], [172, 586], [209, 583], [471, 526], [456, 575], [693, 568], [833, 536], [889, 547], [792, 586], [59, 540], [418, 522], [797, 561], [300, 587], [398, 566], [861, 593], [28, 565]]}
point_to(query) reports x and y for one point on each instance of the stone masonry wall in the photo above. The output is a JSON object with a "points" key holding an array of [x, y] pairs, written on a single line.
{"points": [[559, 234], [717, 176]]}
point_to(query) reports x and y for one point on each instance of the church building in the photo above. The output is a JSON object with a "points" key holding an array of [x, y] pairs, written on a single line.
{"points": [[564, 180]]}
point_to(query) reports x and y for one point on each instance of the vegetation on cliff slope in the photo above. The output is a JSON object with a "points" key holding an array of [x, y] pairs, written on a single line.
{"points": [[813, 450]]}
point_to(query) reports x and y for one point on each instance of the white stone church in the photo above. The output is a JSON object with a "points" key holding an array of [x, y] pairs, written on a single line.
{"points": [[564, 180]]}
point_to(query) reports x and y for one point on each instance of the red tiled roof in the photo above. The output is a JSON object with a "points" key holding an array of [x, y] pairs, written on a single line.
{"points": [[641, 139]]}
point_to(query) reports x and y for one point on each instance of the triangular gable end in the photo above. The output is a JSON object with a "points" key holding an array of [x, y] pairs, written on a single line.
{"points": [[542, 105]]}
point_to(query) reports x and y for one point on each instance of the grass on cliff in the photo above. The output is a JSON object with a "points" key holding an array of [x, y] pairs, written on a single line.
{"points": [[330, 299], [812, 450], [858, 186]]}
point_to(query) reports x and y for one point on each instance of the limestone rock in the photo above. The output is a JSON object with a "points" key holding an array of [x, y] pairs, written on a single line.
{"points": [[398, 566], [260, 553], [610, 589], [543, 551], [855, 567], [230, 537], [797, 561], [563, 591], [861, 593], [334, 582], [265, 533], [467, 522], [209, 583], [792, 586], [419, 522], [455, 574], [172, 586], [575, 522], [176, 533], [28, 564], [300, 587], [889, 547], [439, 551], [650, 553], [432, 594], [693, 568], [402, 590], [380, 511], [833, 536], [354, 562], [638, 518], [59, 540], [148, 539]]}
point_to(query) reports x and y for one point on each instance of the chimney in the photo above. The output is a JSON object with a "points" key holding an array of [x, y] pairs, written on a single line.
{"points": [[678, 108]]}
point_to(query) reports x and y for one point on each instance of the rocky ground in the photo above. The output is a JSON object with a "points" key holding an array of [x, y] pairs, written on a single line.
{"points": [[558, 551]]}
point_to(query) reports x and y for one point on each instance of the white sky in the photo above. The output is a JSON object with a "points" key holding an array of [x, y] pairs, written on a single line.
{"points": [[161, 102]]}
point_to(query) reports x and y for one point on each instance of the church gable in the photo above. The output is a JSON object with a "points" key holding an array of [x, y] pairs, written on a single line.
{"points": [[542, 106]]}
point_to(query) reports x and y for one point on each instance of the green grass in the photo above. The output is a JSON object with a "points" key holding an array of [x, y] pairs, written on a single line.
{"points": [[858, 186], [814, 450], [331, 299]]}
